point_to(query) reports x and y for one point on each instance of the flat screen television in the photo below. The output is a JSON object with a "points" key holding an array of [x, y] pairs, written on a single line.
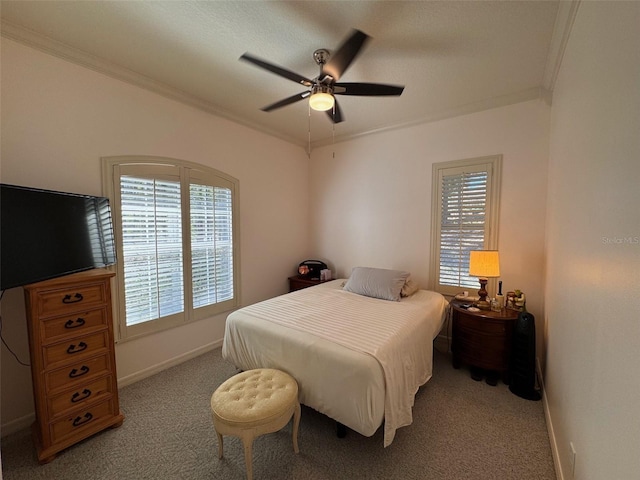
{"points": [[46, 234]]}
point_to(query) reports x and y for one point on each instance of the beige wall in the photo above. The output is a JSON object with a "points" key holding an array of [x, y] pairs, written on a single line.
{"points": [[371, 202], [58, 119], [593, 269], [581, 281]]}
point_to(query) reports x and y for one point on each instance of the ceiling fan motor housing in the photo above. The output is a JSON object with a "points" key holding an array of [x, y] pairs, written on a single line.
{"points": [[321, 56], [321, 88]]}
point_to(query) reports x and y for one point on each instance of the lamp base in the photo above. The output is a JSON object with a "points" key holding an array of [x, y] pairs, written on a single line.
{"points": [[482, 303]]}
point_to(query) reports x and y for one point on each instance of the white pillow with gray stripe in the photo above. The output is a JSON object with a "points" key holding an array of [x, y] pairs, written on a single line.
{"points": [[377, 282]]}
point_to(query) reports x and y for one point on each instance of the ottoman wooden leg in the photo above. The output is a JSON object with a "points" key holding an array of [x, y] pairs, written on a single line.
{"points": [[248, 444], [296, 424], [219, 445]]}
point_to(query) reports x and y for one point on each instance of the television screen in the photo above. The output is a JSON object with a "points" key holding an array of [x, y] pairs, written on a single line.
{"points": [[46, 234]]}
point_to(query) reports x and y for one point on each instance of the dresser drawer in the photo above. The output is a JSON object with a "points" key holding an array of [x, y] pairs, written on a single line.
{"points": [[83, 422], [71, 299], [78, 373], [75, 348], [74, 325], [84, 394]]}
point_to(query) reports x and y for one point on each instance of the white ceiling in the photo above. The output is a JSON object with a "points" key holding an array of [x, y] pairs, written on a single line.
{"points": [[453, 57]]}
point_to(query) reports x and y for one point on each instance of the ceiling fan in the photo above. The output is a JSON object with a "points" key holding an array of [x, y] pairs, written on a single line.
{"points": [[323, 88]]}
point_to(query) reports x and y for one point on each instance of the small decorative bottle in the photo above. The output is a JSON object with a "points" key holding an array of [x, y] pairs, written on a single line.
{"points": [[495, 305]]}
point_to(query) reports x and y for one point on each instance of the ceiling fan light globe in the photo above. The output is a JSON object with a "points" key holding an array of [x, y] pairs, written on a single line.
{"points": [[321, 101]]}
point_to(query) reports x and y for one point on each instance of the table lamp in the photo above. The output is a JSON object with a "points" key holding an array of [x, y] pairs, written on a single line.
{"points": [[484, 264]]}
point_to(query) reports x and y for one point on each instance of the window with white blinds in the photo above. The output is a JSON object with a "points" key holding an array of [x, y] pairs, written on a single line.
{"points": [[175, 233], [211, 244], [152, 257], [464, 218]]}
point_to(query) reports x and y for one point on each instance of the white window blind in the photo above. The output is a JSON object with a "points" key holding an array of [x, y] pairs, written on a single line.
{"points": [[176, 235], [211, 244], [462, 225], [465, 209], [152, 248]]}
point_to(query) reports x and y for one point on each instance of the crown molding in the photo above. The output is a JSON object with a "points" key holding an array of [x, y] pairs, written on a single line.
{"points": [[20, 34], [535, 93], [65, 52], [565, 17]]}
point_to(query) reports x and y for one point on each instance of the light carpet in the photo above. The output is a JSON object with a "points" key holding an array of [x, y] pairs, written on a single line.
{"points": [[462, 429]]}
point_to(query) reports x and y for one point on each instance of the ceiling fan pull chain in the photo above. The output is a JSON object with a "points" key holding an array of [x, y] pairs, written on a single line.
{"points": [[309, 133], [333, 133]]}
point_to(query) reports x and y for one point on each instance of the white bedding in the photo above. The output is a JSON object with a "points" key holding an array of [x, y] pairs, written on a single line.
{"points": [[358, 360]]}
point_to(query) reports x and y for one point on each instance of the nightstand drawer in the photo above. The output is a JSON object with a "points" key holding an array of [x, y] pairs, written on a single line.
{"points": [[480, 325], [91, 392], [75, 348], [78, 373], [71, 299], [482, 352], [298, 283], [83, 422], [470, 338], [73, 325]]}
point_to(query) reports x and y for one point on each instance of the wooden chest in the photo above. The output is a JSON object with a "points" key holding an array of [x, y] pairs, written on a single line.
{"points": [[72, 360]]}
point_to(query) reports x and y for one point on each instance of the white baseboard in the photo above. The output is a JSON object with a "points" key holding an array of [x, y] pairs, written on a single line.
{"points": [[547, 416], [172, 362], [21, 423], [18, 424]]}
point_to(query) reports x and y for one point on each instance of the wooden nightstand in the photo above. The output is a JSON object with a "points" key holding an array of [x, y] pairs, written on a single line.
{"points": [[298, 283], [483, 341]]}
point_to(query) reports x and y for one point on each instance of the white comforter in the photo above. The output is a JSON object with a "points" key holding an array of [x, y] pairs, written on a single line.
{"points": [[357, 359]]}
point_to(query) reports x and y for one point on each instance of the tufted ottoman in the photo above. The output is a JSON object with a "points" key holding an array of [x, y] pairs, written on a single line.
{"points": [[254, 403]]}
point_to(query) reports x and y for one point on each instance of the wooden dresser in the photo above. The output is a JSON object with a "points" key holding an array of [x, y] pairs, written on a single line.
{"points": [[72, 359]]}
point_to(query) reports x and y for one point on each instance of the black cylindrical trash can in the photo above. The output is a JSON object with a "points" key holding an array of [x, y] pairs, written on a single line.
{"points": [[522, 368]]}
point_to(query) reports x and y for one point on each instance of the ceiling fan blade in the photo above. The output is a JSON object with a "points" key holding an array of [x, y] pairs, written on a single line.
{"points": [[283, 72], [344, 55], [335, 114], [367, 89], [286, 101]]}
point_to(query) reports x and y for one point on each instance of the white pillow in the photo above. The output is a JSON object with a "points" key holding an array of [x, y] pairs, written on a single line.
{"points": [[377, 282], [409, 288]]}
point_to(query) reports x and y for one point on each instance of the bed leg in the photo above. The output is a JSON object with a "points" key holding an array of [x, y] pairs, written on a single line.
{"points": [[341, 430]]}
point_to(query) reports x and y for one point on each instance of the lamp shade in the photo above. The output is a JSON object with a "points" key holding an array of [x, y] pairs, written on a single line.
{"points": [[321, 101], [484, 263]]}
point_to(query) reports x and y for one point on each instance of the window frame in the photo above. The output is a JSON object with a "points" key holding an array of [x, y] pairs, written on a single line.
{"points": [[493, 166], [186, 173]]}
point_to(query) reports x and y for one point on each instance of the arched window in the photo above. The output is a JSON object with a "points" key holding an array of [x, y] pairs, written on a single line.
{"points": [[176, 236]]}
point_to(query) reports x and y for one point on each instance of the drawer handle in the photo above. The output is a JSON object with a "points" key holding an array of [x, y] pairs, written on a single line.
{"points": [[74, 323], [75, 373], [78, 397], [73, 349], [82, 420], [73, 299]]}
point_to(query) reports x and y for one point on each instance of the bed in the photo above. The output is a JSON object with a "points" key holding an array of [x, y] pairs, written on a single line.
{"points": [[358, 358]]}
